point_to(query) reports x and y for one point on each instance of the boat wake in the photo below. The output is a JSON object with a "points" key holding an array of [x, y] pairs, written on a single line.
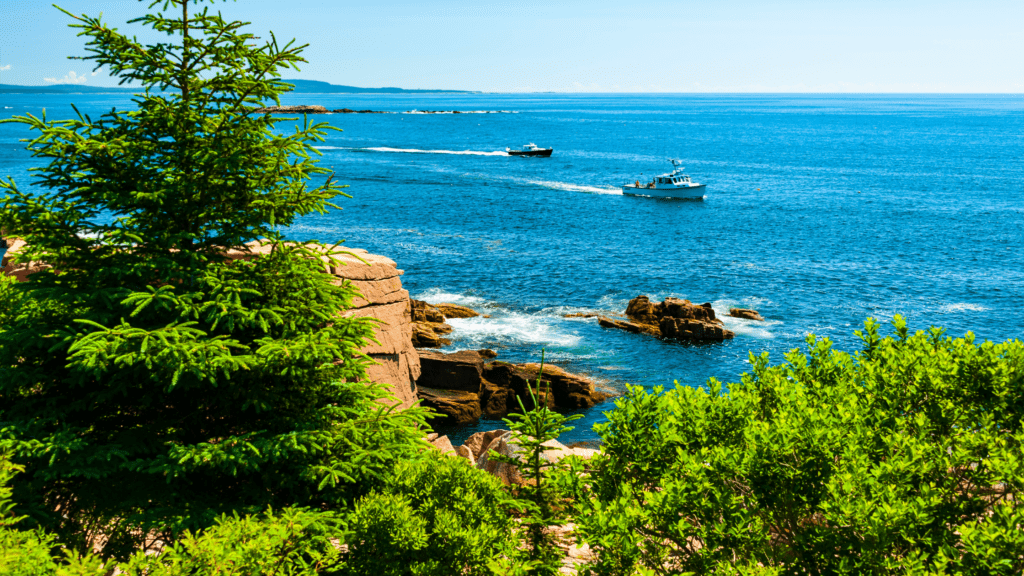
{"points": [[460, 112], [416, 151], [615, 191]]}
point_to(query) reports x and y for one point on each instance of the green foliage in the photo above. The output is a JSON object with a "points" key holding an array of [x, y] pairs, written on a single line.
{"points": [[150, 381], [534, 431], [32, 552], [437, 517], [292, 542], [903, 458]]}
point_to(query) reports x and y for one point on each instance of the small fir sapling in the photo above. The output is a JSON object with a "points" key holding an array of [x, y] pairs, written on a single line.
{"points": [[531, 431]]}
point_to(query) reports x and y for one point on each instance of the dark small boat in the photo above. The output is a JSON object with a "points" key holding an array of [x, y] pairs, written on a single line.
{"points": [[530, 149]]}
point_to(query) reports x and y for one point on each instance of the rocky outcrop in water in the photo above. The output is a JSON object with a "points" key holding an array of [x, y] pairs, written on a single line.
{"points": [[311, 109], [746, 313], [462, 387], [429, 326], [673, 318]]}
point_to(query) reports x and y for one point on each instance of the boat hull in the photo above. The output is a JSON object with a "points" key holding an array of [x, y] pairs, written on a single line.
{"points": [[539, 153], [690, 192]]}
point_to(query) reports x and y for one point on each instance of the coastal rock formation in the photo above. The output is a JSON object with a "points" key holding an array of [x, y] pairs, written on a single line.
{"points": [[311, 109], [379, 283], [672, 318], [455, 311], [7, 265], [349, 111], [304, 109], [747, 313], [429, 325], [462, 387]]}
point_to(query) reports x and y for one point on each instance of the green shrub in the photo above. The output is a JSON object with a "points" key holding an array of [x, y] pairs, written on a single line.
{"points": [[437, 517], [32, 552], [291, 542], [902, 458]]}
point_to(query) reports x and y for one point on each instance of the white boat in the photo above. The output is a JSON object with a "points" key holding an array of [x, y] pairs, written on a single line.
{"points": [[673, 185]]}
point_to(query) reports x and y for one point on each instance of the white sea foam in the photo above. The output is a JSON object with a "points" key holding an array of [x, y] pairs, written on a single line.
{"points": [[742, 326], [513, 328], [438, 295], [576, 187], [416, 151], [462, 112], [963, 307]]}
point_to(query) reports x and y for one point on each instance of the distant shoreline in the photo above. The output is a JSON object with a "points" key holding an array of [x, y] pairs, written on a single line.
{"points": [[301, 87]]}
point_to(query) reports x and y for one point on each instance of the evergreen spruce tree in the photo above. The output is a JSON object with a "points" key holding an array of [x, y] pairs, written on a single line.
{"points": [[149, 383]]}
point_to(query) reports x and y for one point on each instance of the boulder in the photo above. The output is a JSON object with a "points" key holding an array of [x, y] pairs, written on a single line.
{"points": [[428, 335], [464, 452], [457, 371], [481, 440], [487, 353], [456, 311], [746, 313], [423, 312], [507, 445], [456, 407], [442, 444]]}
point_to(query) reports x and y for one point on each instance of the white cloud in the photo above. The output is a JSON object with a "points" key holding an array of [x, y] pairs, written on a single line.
{"points": [[95, 72], [5, 67], [71, 78]]}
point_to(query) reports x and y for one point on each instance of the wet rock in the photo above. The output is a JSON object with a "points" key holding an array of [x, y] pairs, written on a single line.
{"points": [[456, 311], [624, 325], [746, 313], [487, 353], [570, 392], [580, 315], [456, 407], [428, 335], [456, 371], [423, 312], [498, 386]]}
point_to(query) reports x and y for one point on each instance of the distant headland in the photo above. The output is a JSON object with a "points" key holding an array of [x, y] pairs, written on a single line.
{"points": [[301, 87]]}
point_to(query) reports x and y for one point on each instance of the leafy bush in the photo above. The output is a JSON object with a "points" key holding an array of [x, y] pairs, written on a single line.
{"points": [[437, 517], [149, 381], [902, 458], [291, 542], [32, 552]]}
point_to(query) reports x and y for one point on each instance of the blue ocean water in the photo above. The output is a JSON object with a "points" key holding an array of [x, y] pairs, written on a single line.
{"points": [[821, 211]]}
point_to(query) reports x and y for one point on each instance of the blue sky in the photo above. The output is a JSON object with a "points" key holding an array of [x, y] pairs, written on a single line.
{"points": [[592, 46]]}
